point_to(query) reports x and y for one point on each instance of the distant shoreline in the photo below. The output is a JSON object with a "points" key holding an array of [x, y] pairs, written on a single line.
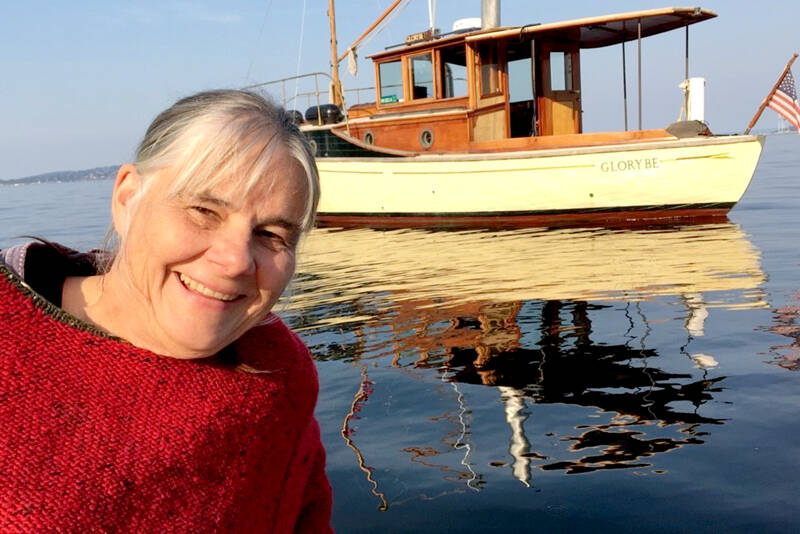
{"points": [[97, 173]]}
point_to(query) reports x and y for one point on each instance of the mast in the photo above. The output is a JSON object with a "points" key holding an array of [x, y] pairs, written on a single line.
{"points": [[337, 86]]}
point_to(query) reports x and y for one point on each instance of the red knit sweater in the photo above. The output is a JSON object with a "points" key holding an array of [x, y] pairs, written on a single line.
{"points": [[97, 435]]}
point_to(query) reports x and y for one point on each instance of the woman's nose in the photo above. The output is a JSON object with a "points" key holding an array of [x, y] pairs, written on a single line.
{"points": [[232, 251]]}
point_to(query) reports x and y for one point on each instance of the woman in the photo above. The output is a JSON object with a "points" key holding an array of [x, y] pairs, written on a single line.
{"points": [[150, 389]]}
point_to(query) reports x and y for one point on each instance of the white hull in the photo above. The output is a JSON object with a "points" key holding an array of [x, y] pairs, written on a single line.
{"points": [[685, 174]]}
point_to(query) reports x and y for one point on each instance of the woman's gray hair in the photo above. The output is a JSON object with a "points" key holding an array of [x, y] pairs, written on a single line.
{"points": [[222, 135], [225, 135]]}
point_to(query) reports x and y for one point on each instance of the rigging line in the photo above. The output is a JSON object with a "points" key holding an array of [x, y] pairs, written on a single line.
{"points": [[300, 52], [385, 24], [258, 42], [378, 29]]}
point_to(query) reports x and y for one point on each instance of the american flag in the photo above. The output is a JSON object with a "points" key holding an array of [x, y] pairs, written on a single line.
{"points": [[784, 101]]}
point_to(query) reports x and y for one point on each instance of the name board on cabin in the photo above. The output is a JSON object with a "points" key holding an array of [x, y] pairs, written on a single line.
{"points": [[420, 37]]}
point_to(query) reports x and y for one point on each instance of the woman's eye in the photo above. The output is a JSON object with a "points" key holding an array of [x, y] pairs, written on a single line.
{"points": [[273, 240], [203, 217], [204, 211], [204, 214]]}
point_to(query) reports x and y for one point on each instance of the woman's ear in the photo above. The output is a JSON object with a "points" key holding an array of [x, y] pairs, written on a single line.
{"points": [[126, 189]]}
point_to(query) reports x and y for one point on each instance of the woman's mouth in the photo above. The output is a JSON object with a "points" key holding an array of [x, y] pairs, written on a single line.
{"points": [[197, 287]]}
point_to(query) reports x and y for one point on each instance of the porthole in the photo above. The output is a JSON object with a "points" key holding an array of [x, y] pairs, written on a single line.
{"points": [[426, 138], [369, 138]]}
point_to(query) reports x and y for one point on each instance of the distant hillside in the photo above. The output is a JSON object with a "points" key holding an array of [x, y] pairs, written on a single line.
{"points": [[98, 173]]}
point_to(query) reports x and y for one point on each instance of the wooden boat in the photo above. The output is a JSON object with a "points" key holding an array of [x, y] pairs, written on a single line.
{"points": [[446, 143]]}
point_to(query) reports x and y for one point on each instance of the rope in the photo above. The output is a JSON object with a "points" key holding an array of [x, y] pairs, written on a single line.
{"points": [[300, 51], [382, 26], [258, 42]]}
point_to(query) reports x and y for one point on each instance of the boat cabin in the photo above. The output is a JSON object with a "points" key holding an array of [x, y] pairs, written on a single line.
{"points": [[495, 89]]}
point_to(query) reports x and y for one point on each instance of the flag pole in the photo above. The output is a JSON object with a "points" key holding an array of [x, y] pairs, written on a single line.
{"points": [[769, 96]]}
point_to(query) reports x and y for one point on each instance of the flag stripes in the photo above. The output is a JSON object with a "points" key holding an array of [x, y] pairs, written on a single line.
{"points": [[784, 101]]}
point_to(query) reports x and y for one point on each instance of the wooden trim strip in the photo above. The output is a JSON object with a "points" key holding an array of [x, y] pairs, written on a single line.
{"points": [[570, 140], [406, 115], [631, 215], [642, 144], [372, 148]]}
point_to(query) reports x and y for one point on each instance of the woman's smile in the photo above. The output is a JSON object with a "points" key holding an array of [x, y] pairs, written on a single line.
{"points": [[197, 287]]}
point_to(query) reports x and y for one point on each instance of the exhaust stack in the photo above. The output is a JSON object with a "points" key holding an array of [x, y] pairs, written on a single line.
{"points": [[490, 14]]}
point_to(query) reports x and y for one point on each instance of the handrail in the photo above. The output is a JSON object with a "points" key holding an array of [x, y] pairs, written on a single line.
{"points": [[310, 96], [290, 78], [283, 81]]}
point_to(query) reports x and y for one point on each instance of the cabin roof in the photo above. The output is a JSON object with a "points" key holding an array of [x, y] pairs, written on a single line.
{"points": [[590, 32], [606, 30], [402, 49]]}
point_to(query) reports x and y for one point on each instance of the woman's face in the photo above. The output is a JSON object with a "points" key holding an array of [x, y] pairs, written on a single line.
{"points": [[204, 268]]}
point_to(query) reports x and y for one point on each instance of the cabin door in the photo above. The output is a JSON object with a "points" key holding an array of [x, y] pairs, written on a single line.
{"points": [[561, 95], [490, 119]]}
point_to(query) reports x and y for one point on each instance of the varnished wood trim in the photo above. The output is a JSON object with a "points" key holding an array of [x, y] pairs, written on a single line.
{"points": [[569, 140], [629, 216], [399, 51], [372, 148], [420, 105], [411, 113], [488, 108], [551, 152], [472, 82], [430, 119]]}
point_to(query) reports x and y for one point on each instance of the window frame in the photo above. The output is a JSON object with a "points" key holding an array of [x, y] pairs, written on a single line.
{"points": [[498, 72], [400, 95], [441, 74], [434, 86]]}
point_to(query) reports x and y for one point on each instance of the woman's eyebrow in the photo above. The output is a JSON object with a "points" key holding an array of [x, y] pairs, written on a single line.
{"points": [[211, 199]]}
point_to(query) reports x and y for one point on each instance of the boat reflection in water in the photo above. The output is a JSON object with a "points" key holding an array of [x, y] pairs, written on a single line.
{"points": [[787, 323], [546, 318]]}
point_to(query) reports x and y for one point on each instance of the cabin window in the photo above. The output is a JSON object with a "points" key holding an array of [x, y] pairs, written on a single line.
{"points": [[522, 112], [490, 72], [453, 63], [422, 76], [520, 80], [391, 81], [560, 71]]}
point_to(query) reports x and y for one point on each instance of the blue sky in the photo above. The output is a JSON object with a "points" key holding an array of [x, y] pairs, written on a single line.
{"points": [[81, 80]]}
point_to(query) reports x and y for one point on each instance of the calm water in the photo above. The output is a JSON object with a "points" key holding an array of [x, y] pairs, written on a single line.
{"points": [[544, 381]]}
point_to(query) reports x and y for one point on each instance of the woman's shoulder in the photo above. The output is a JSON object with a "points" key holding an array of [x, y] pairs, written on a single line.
{"points": [[44, 265], [272, 345], [13, 258]]}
